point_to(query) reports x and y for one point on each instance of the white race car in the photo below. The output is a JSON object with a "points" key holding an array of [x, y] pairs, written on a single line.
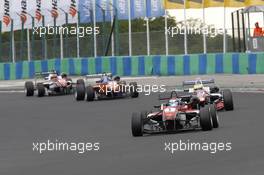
{"points": [[49, 83]]}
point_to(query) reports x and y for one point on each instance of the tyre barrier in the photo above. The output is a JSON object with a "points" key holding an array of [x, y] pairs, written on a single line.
{"points": [[195, 64]]}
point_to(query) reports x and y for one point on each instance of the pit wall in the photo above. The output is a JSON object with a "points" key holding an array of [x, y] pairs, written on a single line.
{"points": [[197, 64]]}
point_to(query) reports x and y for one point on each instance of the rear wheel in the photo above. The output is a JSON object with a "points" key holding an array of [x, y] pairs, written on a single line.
{"points": [[228, 100], [133, 90], [137, 125], [29, 88], [90, 93], [214, 115], [206, 119], [41, 90]]}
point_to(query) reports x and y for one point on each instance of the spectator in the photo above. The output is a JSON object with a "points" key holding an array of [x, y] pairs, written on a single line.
{"points": [[257, 31]]}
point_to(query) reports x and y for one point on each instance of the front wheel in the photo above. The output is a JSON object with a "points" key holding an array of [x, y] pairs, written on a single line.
{"points": [[228, 100], [206, 119], [41, 90], [29, 88], [137, 125], [90, 93]]}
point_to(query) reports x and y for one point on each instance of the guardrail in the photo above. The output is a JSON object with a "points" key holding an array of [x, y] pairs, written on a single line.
{"points": [[231, 63]]}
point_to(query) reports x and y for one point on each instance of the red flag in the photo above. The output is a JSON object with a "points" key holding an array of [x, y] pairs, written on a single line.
{"points": [[6, 20], [6, 17], [73, 11], [54, 13], [38, 14], [23, 18], [23, 14]]}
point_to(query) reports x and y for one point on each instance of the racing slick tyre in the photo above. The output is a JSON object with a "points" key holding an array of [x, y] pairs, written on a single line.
{"points": [[214, 115], [41, 90], [29, 88], [137, 125], [133, 90], [90, 93], [80, 81], [228, 100], [206, 119], [79, 92]]}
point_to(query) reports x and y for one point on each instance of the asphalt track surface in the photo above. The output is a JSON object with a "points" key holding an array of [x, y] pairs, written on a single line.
{"points": [[27, 120]]}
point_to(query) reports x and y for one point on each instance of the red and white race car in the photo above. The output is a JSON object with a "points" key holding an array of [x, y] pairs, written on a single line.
{"points": [[49, 83], [105, 87], [209, 93], [180, 113]]}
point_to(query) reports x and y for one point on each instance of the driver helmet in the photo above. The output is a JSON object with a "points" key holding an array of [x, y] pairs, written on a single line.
{"points": [[173, 102], [104, 78], [198, 86], [63, 75]]}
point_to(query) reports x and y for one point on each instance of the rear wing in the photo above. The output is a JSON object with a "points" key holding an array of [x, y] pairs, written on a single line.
{"points": [[194, 82], [97, 75], [44, 75], [175, 94]]}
